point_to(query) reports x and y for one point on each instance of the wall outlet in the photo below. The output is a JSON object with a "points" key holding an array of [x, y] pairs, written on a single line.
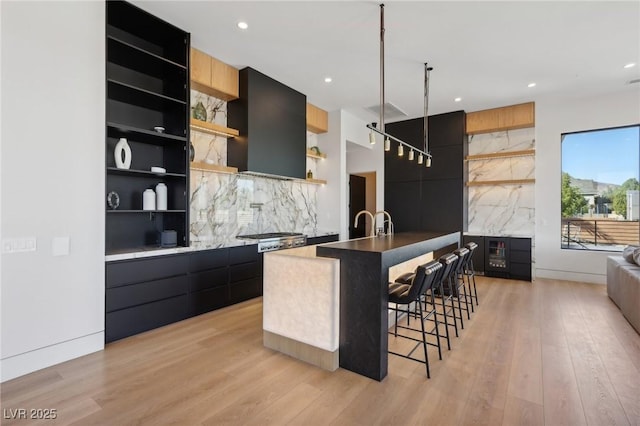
{"points": [[19, 245]]}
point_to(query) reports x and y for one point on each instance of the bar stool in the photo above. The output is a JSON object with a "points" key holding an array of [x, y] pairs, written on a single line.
{"points": [[470, 272], [445, 291], [405, 294], [459, 282]]}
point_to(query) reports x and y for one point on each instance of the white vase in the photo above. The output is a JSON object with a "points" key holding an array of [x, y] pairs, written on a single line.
{"points": [[161, 196], [122, 147], [148, 200]]}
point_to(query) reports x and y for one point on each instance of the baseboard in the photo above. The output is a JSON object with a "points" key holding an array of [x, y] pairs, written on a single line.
{"points": [[28, 362], [570, 276], [313, 355]]}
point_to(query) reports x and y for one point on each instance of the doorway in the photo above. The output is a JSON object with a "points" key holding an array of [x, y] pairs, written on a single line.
{"points": [[357, 202]]}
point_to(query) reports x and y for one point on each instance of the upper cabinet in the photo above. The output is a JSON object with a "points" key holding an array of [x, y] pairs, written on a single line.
{"points": [[272, 123], [317, 119], [499, 119], [213, 77]]}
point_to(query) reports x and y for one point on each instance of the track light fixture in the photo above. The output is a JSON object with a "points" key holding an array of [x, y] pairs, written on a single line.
{"points": [[422, 154]]}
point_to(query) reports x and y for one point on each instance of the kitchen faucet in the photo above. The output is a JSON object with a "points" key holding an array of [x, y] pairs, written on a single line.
{"points": [[373, 225], [385, 221]]}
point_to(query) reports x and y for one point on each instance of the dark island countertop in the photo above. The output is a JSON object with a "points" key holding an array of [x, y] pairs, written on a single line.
{"points": [[386, 242]]}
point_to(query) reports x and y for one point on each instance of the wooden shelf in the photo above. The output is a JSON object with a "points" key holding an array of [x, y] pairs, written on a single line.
{"points": [[312, 154], [505, 154], [316, 181], [205, 167], [501, 182], [213, 128]]}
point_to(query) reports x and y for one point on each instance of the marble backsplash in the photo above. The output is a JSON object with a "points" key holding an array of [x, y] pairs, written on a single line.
{"points": [[226, 205], [502, 209]]}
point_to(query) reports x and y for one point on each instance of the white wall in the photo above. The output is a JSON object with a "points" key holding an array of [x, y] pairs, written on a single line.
{"points": [[362, 157], [554, 117], [53, 114]]}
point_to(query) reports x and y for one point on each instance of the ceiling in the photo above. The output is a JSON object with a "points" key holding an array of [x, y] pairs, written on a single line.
{"points": [[484, 52]]}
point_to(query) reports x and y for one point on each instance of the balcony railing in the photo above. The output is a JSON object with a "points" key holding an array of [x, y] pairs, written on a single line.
{"points": [[599, 234]]}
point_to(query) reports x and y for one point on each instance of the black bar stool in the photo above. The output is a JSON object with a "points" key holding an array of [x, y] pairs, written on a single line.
{"points": [[459, 283], [470, 272], [405, 294], [445, 291]]}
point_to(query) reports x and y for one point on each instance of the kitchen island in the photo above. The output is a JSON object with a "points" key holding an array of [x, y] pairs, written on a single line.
{"points": [[327, 305], [364, 297]]}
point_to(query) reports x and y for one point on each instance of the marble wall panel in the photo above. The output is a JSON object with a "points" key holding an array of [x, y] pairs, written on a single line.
{"points": [[502, 210], [225, 205]]}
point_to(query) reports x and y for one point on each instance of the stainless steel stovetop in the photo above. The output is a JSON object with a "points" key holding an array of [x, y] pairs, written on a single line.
{"points": [[272, 241]]}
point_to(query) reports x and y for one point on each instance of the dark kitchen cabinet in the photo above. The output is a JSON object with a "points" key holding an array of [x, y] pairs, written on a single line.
{"points": [[520, 259], [143, 294], [271, 118], [147, 293], [428, 199], [147, 85]]}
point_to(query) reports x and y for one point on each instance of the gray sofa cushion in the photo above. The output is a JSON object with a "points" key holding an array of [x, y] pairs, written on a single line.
{"points": [[623, 287], [628, 254]]}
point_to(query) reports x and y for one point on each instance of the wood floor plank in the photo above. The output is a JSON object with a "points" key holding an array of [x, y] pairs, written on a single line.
{"points": [[549, 352]]}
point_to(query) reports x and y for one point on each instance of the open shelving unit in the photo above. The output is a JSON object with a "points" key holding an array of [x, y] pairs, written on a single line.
{"points": [[213, 128], [147, 81]]}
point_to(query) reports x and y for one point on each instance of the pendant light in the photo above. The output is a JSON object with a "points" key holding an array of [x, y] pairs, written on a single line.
{"points": [[380, 129]]}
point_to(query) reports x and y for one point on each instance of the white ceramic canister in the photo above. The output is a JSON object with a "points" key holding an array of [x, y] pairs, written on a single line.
{"points": [[148, 200], [161, 196]]}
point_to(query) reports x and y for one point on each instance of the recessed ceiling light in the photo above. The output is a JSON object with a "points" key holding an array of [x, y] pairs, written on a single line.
{"points": [[328, 79], [243, 25], [457, 99], [630, 65], [531, 85]]}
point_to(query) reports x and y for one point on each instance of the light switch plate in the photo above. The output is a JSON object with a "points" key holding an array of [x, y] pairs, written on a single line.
{"points": [[60, 246], [19, 245]]}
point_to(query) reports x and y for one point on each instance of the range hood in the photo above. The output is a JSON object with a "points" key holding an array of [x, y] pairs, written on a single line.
{"points": [[271, 118]]}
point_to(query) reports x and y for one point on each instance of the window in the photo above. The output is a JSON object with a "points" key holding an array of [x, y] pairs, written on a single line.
{"points": [[600, 189]]}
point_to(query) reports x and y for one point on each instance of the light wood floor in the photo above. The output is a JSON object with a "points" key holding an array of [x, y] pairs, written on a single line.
{"points": [[549, 352]]}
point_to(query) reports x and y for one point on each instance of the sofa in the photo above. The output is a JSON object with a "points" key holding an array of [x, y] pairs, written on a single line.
{"points": [[623, 287]]}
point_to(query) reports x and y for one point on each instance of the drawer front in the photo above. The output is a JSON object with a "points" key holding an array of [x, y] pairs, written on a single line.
{"points": [[127, 322], [244, 272], [520, 271], [520, 256], [520, 243], [208, 300], [150, 291], [245, 290], [140, 270], [209, 279], [208, 259], [321, 240], [243, 254]]}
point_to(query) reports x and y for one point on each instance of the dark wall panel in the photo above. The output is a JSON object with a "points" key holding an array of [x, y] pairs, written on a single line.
{"points": [[435, 198]]}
